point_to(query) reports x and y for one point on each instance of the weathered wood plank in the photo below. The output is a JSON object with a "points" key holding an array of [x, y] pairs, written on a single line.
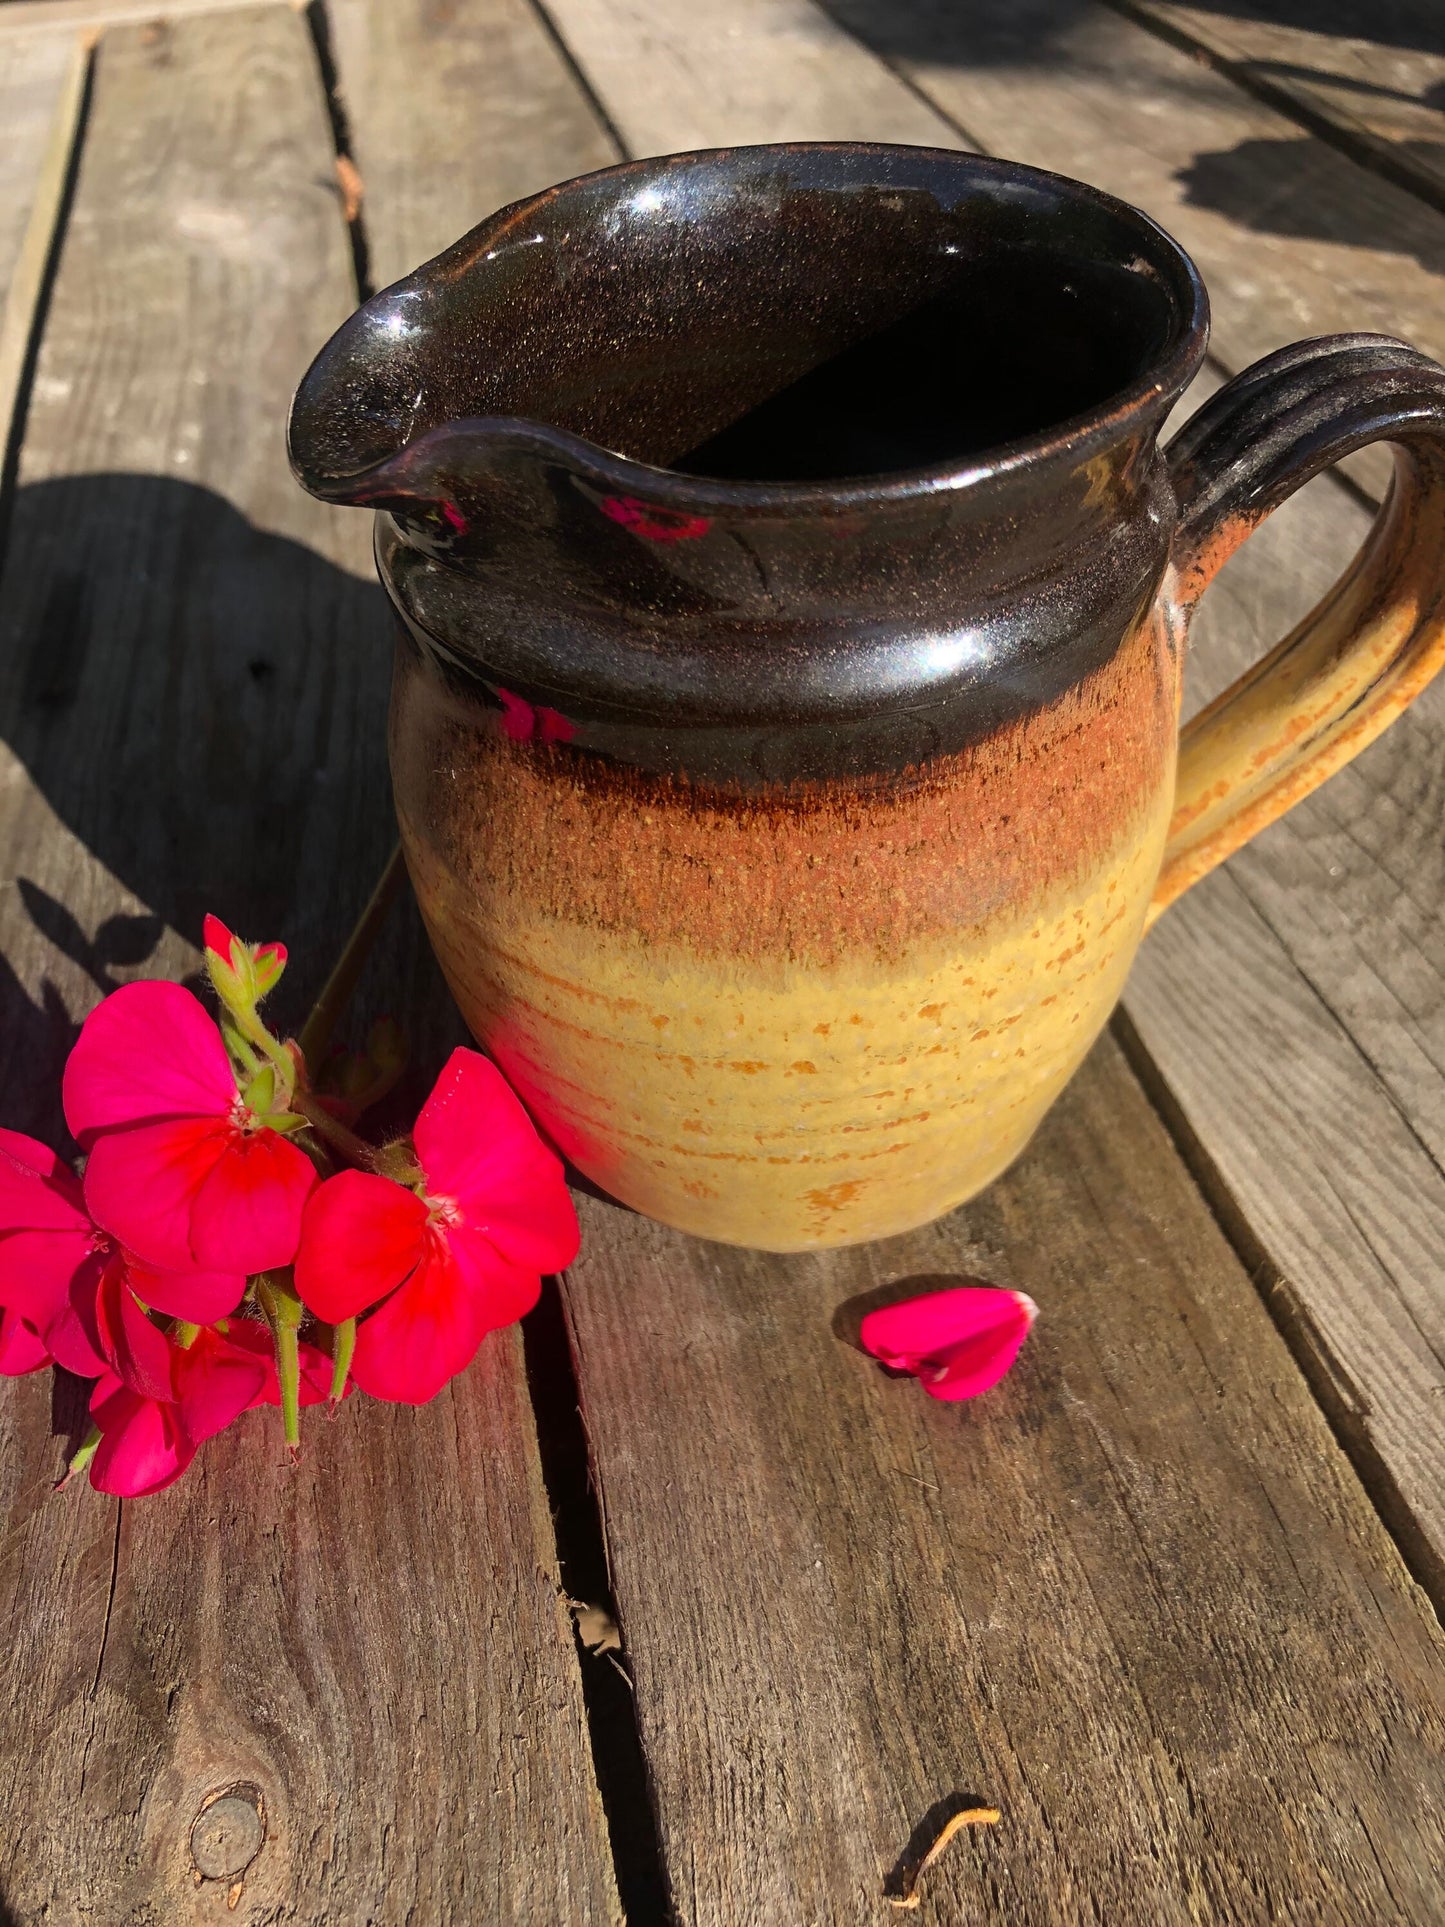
{"points": [[1290, 1001], [1134, 1597], [1292, 238], [718, 72], [21, 18], [491, 113], [193, 673], [42, 81], [1377, 84], [1292, 1008], [797, 1735]]}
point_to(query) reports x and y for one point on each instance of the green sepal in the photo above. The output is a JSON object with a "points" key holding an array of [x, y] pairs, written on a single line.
{"points": [[260, 1093], [398, 1161]]}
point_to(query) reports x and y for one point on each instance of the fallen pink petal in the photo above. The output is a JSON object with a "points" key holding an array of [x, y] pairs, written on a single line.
{"points": [[957, 1342]]}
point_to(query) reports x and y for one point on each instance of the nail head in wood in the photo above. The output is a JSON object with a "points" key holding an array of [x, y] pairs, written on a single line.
{"points": [[228, 1833]]}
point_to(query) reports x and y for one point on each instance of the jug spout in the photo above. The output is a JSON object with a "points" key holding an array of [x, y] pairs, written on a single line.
{"points": [[724, 434]]}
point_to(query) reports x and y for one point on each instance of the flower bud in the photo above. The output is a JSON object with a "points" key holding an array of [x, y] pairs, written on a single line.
{"points": [[242, 973]]}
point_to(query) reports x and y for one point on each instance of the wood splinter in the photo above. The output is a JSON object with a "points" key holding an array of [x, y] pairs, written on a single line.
{"points": [[902, 1885]]}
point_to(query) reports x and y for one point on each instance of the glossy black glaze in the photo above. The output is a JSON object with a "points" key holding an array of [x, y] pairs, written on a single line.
{"points": [[771, 463]]}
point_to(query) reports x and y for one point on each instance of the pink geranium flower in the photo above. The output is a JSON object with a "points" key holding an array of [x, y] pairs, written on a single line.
{"points": [[181, 1171], [54, 1260], [22, 1349], [166, 1400], [957, 1342], [453, 1257]]}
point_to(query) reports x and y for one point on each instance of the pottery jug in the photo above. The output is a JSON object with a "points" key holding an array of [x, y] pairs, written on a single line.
{"points": [[792, 593]]}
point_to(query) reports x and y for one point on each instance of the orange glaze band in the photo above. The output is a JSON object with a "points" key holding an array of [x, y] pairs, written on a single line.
{"points": [[865, 998]]}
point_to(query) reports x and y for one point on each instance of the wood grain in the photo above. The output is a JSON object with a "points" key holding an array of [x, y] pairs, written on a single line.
{"points": [[1292, 238], [718, 72], [1386, 102], [1295, 1008], [491, 113], [1133, 1597], [23, 18], [193, 673], [42, 82], [1293, 1011]]}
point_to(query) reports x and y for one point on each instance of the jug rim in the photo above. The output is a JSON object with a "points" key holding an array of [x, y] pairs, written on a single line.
{"points": [[1077, 437]]}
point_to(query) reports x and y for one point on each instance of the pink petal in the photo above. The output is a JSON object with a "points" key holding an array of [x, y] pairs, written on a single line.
{"points": [[218, 1378], [250, 1336], [38, 1189], [199, 1297], [141, 1184], [217, 938], [316, 1373], [36, 1268], [73, 1333], [21, 1348], [36, 1157], [518, 716], [143, 1445], [503, 1292], [139, 1355], [478, 1146], [247, 1214], [147, 1051], [423, 1335], [81, 1320], [361, 1235], [957, 1342]]}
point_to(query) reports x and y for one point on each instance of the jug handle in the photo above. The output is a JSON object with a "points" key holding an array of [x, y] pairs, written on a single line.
{"points": [[1344, 673]]}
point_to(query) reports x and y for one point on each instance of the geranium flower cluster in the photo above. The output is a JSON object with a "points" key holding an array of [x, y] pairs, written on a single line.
{"points": [[233, 1242]]}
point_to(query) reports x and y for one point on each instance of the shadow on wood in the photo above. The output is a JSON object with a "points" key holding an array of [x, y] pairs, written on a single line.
{"points": [[944, 30], [185, 689], [1272, 187]]}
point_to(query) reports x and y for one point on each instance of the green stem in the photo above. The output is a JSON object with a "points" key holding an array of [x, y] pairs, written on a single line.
{"points": [[316, 1034], [333, 1130], [284, 1313], [83, 1456], [343, 1344], [249, 1026]]}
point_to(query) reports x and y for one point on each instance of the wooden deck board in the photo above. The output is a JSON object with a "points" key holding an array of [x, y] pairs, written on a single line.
{"points": [[1137, 1597], [1385, 101], [722, 72], [794, 1825], [1336, 908], [1292, 238], [500, 117], [1134, 1597], [42, 83], [193, 672], [21, 19]]}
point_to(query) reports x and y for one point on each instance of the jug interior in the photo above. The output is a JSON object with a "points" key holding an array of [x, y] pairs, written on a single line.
{"points": [[780, 316], [1012, 346], [773, 314]]}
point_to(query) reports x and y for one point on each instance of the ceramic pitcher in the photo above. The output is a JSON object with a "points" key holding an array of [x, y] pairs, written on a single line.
{"points": [[792, 594]]}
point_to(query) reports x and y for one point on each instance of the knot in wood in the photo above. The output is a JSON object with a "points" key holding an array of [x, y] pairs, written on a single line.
{"points": [[228, 1833]]}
